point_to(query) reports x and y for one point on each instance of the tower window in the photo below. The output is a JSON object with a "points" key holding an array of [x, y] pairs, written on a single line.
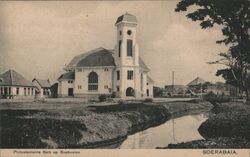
{"points": [[120, 32], [129, 32], [130, 75], [118, 75], [129, 47], [119, 49]]}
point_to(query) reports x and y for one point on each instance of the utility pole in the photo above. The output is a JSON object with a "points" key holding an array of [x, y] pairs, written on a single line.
{"points": [[172, 82], [173, 130]]}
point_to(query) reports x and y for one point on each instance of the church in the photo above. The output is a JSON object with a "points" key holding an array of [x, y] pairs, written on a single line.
{"points": [[120, 71]]}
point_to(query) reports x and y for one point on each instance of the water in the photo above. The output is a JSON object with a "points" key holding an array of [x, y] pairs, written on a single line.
{"points": [[176, 130]]}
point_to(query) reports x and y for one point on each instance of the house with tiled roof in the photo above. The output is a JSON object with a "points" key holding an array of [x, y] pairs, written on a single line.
{"points": [[42, 88], [14, 85], [119, 71]]}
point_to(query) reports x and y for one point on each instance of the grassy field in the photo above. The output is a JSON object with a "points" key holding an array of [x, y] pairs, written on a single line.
{"points": [[83, 125]]}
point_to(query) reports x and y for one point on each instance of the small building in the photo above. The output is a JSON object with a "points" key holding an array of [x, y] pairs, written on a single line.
{"points": [[195, 87], [196, 82], [42, 88], [14, 85], [174, 90]]}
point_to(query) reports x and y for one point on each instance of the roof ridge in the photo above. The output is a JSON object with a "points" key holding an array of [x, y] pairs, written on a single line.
{"points": [[11, 77]]}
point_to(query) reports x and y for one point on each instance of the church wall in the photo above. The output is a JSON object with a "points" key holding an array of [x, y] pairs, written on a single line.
{"points": [[104, 82], [63, 88], [150, 88]]}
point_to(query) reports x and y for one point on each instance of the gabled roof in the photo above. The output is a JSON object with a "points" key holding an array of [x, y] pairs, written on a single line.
{"points": [[67, 76], [142, 65], [96, 57], [196, 81], [42, 83], [150, 80], [13, 78], [127, 18]]}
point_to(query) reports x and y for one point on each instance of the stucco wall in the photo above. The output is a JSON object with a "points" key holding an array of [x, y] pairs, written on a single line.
{"points": [[80, 85], [21, 92], [63, 87]]}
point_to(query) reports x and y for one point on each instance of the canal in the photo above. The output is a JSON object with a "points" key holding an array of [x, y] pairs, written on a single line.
{"points": [[173, 131]]}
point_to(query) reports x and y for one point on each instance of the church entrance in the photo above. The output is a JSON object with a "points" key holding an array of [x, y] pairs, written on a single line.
{"points": [[130, 92]]}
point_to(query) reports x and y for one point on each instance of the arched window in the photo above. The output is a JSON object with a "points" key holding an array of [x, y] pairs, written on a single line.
{"points": [[93, 81]]}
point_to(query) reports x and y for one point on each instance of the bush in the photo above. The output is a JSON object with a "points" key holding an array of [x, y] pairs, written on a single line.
{"points": [[121, 102], [102, 98], [216, 98], [148, 100]]}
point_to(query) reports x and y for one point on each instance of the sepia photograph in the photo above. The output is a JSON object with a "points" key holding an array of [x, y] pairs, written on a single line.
{"points": [[171, 74]]}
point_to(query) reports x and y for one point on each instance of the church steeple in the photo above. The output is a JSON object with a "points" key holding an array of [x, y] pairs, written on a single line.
{"points": [[126, 39], [127, 56]]}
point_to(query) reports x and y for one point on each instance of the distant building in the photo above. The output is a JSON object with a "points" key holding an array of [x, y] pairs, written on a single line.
{"points": [[42, 88], [220, 88], [120, 71], [14, 85], [196, 82], [174, 89], [199, 86]]}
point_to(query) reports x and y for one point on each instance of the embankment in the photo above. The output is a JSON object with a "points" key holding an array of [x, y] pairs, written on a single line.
{"points": [[89, 127], [228, 127]]}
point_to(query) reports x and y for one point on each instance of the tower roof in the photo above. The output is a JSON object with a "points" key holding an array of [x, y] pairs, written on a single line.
{"points": [[126, 18]]}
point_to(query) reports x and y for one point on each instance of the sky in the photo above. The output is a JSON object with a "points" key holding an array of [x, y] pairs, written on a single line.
{"points": [[37, 39]]}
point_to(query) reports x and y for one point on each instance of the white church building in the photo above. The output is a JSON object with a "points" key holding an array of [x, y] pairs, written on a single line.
{"points": [[120, 71]]}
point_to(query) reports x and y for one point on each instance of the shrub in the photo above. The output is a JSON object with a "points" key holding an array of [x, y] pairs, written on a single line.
{"points": [[148, 100], [216, 98], [121, 102], [102, 98]]}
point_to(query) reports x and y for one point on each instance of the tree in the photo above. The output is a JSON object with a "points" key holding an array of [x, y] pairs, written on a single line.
{"points": [[234, 18]]}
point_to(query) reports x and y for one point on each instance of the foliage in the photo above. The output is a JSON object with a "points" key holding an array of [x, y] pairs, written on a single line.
{"points": [[157, 91], [102, 98], [213, 98], [148, 100], [233, 17]]}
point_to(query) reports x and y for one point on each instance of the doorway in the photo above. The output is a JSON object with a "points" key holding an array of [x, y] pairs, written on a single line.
{"points": [[70, 92], [130, 92]]}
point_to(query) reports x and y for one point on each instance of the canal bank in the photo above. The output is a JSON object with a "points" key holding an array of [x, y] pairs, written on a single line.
{"points": [[90, 127], [228, 126]]}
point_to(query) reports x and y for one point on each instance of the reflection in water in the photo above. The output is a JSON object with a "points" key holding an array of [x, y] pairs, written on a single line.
{"points": [[177, 130]]}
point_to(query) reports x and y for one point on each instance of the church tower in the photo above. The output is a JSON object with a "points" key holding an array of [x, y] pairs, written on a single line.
{"points": [[126, 54]]}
